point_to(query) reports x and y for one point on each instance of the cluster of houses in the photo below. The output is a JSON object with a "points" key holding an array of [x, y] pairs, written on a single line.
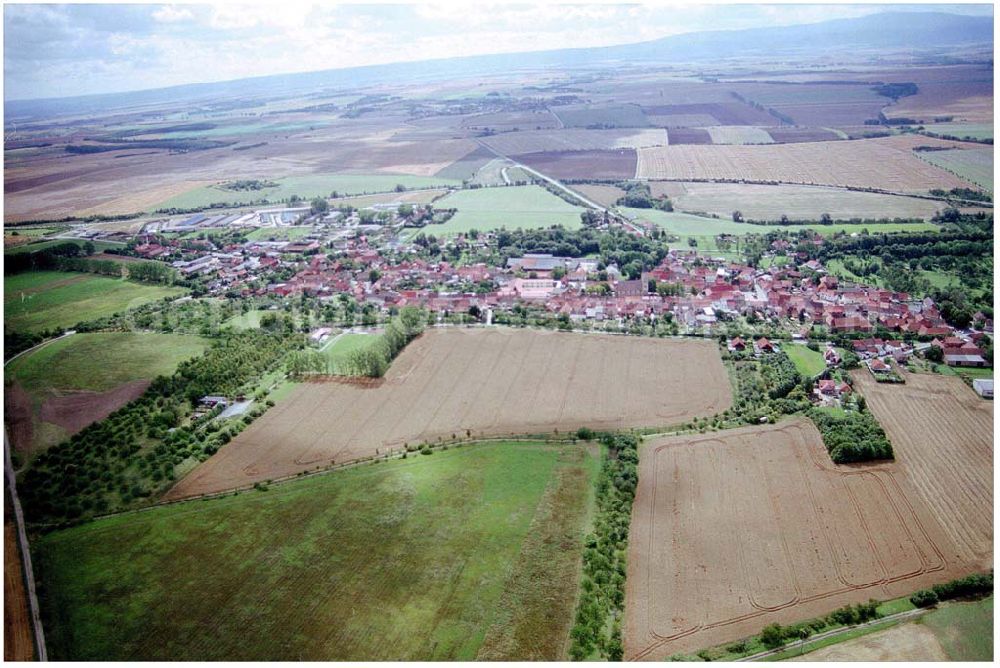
{"points": [[696, 291]]}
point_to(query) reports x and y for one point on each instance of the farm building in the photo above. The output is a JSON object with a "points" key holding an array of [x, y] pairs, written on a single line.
{"points": [[960, 359], [212, 400], [983, 387]]}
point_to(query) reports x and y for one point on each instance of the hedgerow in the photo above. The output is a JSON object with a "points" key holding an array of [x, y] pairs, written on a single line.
{"points": [[597, 629]]}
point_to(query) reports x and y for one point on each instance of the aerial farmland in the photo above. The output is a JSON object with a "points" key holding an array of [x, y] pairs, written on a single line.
{"points": [[556, 346]]}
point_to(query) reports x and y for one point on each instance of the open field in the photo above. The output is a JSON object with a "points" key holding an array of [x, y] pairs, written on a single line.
{"points": [[957, 631], [38, 245], [69, 383], [808, 362], [965, 630], [738, 134], [886, 163], [306, 187], [602, 194], [408, 197], [40, 300], [474, 382], [908, 642], [337, 353], [787, 134], [767, 202], [289, 233], [809, 536], [611, 115], [974, 130], [18, 635], [512, 207], [707, 113], [470, 552], [248, 320], [942, 433], [689, 136], [974, 165], [686, 224], [512, 143], [616, 164]]}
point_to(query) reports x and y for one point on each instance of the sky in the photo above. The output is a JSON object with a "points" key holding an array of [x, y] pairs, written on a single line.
{"points": [[80, 49]]}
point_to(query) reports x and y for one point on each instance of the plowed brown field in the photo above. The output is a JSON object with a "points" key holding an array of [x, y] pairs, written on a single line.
{"points": [[732, 531], [489, 382]]}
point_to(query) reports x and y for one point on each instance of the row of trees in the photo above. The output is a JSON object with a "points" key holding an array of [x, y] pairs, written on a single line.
{"points": [[373, 361], [125, 457], [977, 584], [597, 627]]}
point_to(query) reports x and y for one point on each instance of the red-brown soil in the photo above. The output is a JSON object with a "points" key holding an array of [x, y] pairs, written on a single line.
{"points": [[617, 164], [75, 410], [17, 631], [17, 416]]}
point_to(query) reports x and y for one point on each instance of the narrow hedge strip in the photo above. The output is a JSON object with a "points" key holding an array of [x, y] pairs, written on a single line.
{"points": [[597, 628]]}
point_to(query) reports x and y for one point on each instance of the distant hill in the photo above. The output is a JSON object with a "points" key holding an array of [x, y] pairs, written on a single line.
{"points": [[916, 31]]}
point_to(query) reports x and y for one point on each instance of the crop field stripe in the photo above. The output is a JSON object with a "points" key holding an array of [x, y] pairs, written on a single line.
{"points": [[850, 510], [475, 383]]}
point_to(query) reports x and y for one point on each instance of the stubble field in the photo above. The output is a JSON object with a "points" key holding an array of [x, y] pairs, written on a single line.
{"points": [[475, 383], [885, 163], [733, 531], [767, 202], [943, 436]]}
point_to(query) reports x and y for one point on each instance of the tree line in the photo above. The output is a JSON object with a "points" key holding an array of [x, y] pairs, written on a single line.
{"points": [[596, 631]]}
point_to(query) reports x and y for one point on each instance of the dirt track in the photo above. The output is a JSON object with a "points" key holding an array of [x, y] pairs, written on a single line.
{"points": [[478, 383], [17, 639], [734, 530]]}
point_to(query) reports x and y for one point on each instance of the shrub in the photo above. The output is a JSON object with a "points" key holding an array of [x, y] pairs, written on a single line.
{"points": [[924, 598], [773, 635], [585, 434]]}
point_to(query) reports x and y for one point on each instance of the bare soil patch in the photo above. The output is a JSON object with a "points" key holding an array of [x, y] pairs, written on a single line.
{"points": [[904, 642], [75, 410], [478, 383], [689, 136], [619, 164], [725, 113], [791, 134], [734, 530], [603, 195], [17, 416]]}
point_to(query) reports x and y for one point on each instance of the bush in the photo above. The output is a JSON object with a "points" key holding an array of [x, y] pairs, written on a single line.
{"points": [[773, 635], [585, 434], [924, 598]]}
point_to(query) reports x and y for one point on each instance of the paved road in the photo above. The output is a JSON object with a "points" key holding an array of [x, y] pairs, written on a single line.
{"points": [[899, 616], [43, 343]]}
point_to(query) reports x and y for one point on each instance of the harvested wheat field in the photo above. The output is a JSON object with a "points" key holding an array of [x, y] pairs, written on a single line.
{"points": [[942, 433], [885, 163], [478, 382], [734, 530], [18, 641]]}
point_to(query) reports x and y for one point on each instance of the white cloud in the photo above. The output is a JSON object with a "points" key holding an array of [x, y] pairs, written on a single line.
{"points": [[172, 14]]}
